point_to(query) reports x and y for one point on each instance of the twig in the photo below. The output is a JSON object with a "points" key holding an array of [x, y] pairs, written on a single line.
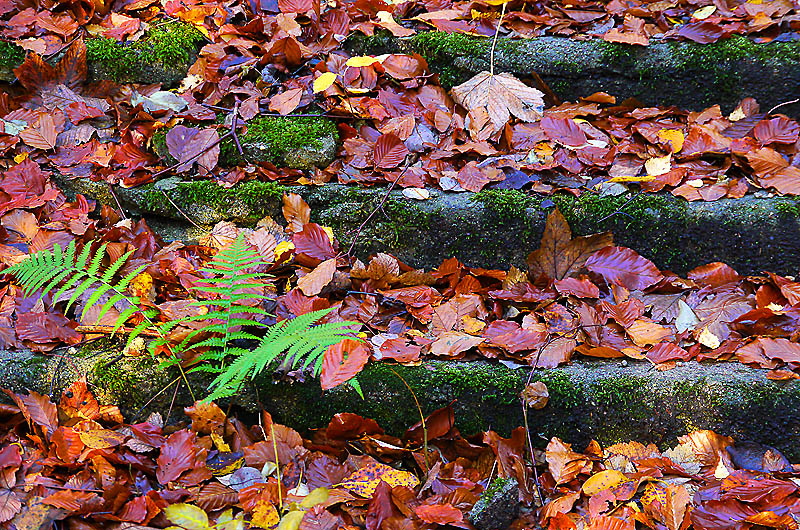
{"points": [[619, 210], [116, 199], [177, 379], [779, 105], [233, 131], [380, 206]]}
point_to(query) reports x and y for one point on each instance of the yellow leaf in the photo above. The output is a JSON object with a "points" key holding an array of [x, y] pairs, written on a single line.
{"points": [[265, 515], [318, 496], [283, 247], [324, 82], [610, 478], [496, 2], [226, 521], [704, 12], [708, 339], [658, 166], [291, 521], [645, 178], [329, 231], [361, 61], [187, 516], [219, 443], [364, 481], [20, 157], [674, 137]]}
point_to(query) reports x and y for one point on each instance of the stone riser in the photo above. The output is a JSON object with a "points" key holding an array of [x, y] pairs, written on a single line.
{"points": [[602, 400], [496, 228]]}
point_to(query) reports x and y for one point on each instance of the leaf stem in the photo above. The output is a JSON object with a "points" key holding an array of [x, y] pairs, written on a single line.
{"points": [[494, 41]]}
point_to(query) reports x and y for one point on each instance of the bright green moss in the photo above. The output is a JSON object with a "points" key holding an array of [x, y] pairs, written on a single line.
{"points": [[165, 44], [257, 197], [11, 55], [278, 136]]}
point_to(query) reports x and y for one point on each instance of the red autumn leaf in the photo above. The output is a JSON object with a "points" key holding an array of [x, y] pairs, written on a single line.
{"points": [[564, 131], [295, 6], [714, 274], [343, 362], [704, 32], [44, 328], [667, 351], [314, 242], [780, 130], [624, 267], [389, 151], [582, 288], [176, 457], [40, 410], [439, 513]]}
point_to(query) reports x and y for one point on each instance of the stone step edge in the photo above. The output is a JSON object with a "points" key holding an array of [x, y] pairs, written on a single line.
{"points": [[690, 75], [606, 400], [493, 228]]}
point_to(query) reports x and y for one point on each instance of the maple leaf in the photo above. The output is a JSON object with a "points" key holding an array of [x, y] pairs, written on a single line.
{"points": [[561, 255], [501, 95]]}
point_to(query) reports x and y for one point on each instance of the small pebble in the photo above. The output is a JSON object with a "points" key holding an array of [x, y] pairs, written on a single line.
{"points": [[625, 362]]}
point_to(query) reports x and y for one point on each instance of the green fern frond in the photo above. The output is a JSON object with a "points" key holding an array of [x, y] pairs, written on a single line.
{"points": [[47, 269]]}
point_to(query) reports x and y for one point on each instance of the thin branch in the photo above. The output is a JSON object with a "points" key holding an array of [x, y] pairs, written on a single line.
{"points": [[377, 208], [116, 199], [779, 105]]}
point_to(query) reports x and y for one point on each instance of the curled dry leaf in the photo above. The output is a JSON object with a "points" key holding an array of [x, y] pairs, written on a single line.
{"points": [[501, 96], [535, 395]]}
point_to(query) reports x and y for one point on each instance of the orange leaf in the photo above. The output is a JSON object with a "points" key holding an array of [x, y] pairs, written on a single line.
{"points": [[342, 362]]}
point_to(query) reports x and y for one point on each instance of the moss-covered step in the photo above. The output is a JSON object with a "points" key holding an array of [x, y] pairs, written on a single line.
{"points": [[162, 55], [689, 75], [604, 400], [494, 228], [286, 141], [11, 56]]}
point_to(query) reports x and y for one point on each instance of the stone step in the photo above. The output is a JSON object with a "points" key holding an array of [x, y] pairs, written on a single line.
{"points": [[493, 228], [605, 400], [689, 75]]}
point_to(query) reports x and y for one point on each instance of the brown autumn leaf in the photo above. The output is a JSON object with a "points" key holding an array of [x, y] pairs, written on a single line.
{"points": [[389, 151], [624, 267], [41, 134], [296, 211], [561, 255], [286, 102], [501, 95], [312, 283]]}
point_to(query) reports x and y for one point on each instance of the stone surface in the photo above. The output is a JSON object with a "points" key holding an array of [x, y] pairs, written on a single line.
{"points": [[591, 399], [497, 228], [498, 506], [689, 75]]}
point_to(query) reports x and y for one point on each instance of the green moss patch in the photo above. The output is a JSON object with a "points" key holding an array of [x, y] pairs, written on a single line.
{"points": [[165, 46], [273, 138], [11, 55]]}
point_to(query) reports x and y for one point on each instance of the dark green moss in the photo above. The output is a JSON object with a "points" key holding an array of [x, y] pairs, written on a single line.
{"points": [[166, 44], [260, 198], [11, 55]]}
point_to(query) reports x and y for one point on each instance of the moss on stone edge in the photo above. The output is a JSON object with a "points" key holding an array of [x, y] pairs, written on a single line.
{"points": [[166, 44], [279, 136], [11, 55], [250, 201]]}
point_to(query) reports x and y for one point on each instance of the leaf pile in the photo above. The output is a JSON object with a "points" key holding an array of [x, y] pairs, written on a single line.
{"points": [[77, 463], [288, 60], [579, 296]]}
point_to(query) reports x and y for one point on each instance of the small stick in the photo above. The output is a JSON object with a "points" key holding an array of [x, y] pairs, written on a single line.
{"points": [[379, 207], [779, 105], [116, 199]]}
